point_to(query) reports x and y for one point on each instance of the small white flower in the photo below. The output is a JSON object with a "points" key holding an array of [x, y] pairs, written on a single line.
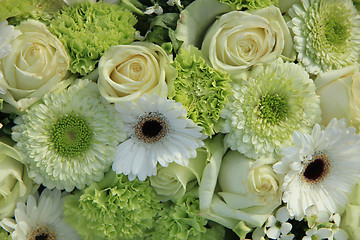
{"points": [[41, 218], [321, 233], [278, 227], [174, 2], [320, 169], [159, 132], [157, 9]]}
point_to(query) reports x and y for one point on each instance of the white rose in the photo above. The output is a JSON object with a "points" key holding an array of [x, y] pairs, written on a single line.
{"points": [[173, 181], [15, 184], [249, 186], [339, 92], [36, 63], [239, 40], [236, 191], [128, 71]]}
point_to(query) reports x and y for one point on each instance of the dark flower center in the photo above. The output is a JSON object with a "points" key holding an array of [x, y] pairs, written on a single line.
{"points": [[316, 169], [42, 233], [151, 128]]}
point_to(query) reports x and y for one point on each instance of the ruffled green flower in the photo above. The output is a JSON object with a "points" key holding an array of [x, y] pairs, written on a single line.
{"points": [[18, 11], [249, 4], [182, 221], [88, 30], [114, 208], [201, 89], [327, 34], [265, 110]]}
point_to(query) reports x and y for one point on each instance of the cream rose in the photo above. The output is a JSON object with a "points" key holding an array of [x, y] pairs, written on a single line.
{"points": [[239, 40], [238, 192], [36, 63], [173, 181], [128, 71], [339, 92], [15, 184]]}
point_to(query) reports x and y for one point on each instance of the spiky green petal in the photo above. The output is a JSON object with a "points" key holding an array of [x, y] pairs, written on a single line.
{"points": [[327, 34], [25, 9], [88, 30], [202, 90], [265, 110], [114, 208], [249, 4]]}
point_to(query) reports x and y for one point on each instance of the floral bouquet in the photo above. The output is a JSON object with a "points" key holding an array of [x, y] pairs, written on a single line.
{"points": [[180, 120]]}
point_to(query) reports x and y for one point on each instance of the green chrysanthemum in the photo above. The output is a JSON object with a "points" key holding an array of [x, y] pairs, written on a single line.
{"points": [[88, 30], [182, 221], [114, 208], [327, 34], [264, 111], [25, 9], [69, 140], [248, 4], [201, 89]]}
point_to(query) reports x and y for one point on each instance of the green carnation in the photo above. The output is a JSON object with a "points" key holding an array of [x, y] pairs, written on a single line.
{"points": [[25, 9], [249, 4], [182, 221], [88, 30], [201, 89], [114, 208]]}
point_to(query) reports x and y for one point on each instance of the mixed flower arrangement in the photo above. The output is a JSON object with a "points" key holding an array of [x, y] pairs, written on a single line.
{"points": [[192, 119]]}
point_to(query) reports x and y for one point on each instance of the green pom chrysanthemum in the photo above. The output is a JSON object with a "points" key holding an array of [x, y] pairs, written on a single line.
{"points": [[182, 221], [327, 34], [69, 140], [25, 9], [201, 89], [88, 30], [265, 110], [248, 4], [114, 208]]}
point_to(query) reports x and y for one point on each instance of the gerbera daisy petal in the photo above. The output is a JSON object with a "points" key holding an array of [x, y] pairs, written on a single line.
{"points": [[42, 216], [160, 133], [327, 173]]}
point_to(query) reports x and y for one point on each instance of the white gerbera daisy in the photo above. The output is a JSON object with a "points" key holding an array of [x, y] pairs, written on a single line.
{"points": [[320, 169], [70, 139], [327, 34], [159, 132], [41, 218], [267, 108]]}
